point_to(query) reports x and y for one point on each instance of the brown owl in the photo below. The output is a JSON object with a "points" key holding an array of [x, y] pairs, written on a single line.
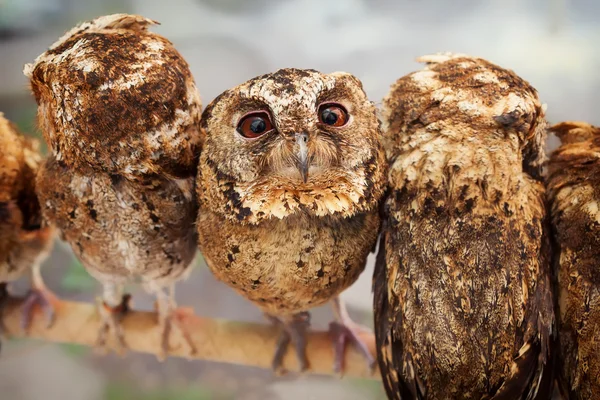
{"points": [[120, 112], [573, 185], [25, 239], [289, 182], [463, 303]]}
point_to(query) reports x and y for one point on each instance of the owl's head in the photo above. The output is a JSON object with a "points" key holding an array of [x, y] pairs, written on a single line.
{"points": [[294, 141], [466, 98], [116, 97]]}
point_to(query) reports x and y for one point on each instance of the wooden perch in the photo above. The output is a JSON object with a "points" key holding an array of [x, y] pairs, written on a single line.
{"points": [[216, 340]]}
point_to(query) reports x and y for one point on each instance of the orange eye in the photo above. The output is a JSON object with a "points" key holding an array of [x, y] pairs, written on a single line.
{"points": [[255, 124], [333, 114]]}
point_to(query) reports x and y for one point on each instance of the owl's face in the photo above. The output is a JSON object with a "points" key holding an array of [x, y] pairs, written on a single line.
{"points": [[294, 140]]}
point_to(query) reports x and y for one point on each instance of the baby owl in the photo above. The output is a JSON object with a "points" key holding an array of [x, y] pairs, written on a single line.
{"points": [[463, 304], [289, 181], [574, 194], [120, 112], [25, 240]]}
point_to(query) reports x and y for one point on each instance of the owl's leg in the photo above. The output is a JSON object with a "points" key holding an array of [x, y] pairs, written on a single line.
{"points": [[169, 317], [3, 299], [112, 307], [344, 330], [39, 296], [294, 330]]}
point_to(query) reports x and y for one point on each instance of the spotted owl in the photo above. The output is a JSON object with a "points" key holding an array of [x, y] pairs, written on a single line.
{"points": [[573, 196], [462, 284], [289, 183], [120, 112]]}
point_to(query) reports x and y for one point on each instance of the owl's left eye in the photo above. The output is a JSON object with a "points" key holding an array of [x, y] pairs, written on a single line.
{"points": [[333, 114], [255, 124]]}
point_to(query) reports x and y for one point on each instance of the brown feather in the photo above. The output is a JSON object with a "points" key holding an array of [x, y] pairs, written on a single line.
{"points": [[463, 298], [24, 240], [574, 195]]}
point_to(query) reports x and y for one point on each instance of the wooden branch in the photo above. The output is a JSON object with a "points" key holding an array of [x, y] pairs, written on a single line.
{"points": [[216, 340]]}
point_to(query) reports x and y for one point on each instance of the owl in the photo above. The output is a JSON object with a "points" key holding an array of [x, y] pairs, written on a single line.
{"points": [[25, 240], [573, 185], [120, 112], [289, 183], [462, 283]]}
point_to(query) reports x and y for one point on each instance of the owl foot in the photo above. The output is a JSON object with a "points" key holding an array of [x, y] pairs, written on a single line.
{"points": [[341, 333], [111, 321], [293, 330], [42, 298], [175, 318]]}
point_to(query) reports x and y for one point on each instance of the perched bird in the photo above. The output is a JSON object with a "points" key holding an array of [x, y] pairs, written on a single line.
{"points": [[289, 182], [25, 240], [462, 284], [120, 112], [573, 186]]}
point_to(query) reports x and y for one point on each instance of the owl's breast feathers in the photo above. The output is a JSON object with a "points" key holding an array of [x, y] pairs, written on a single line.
{"points": [[289, 265], [122, 228]]}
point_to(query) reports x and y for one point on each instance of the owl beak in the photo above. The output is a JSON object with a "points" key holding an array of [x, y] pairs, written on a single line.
{"points": [[302, 155]]}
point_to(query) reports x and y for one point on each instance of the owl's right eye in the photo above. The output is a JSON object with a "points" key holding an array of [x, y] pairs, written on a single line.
{"points": [[255, 124]]}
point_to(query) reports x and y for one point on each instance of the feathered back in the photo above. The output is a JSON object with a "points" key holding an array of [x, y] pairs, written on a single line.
{"points": [[115, 97], [462, 297]]}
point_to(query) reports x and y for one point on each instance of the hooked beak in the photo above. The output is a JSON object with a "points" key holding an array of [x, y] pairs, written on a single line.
{"points": [[302, 155]]}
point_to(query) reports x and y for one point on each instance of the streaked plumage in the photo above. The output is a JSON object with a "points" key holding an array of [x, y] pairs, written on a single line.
{"points": [[463, 305]]}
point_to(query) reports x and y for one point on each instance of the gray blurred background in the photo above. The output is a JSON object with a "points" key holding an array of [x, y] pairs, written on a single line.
{"points": [[554, 44]]}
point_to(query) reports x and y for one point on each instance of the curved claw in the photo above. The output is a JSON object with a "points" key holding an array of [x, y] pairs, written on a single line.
{"points": [[293, 330], [344, 330], [175, 319], [341, 334], [38, 297], [111, 321]]}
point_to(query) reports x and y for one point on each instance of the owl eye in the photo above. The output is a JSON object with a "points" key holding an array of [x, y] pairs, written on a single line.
{"points": [[333, 114], [255, 124]]}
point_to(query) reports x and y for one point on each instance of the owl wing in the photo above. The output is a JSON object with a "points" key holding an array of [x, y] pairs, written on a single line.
{"points": [[391, 354], [531, 374]]}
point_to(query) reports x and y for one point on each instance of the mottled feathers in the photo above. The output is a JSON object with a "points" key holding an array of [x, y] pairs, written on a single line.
{"points": [[120, 111], [116, 96], [463, 305]]}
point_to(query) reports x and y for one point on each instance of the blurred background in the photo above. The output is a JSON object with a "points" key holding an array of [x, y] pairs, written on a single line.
{"points": [[554, 44]]}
